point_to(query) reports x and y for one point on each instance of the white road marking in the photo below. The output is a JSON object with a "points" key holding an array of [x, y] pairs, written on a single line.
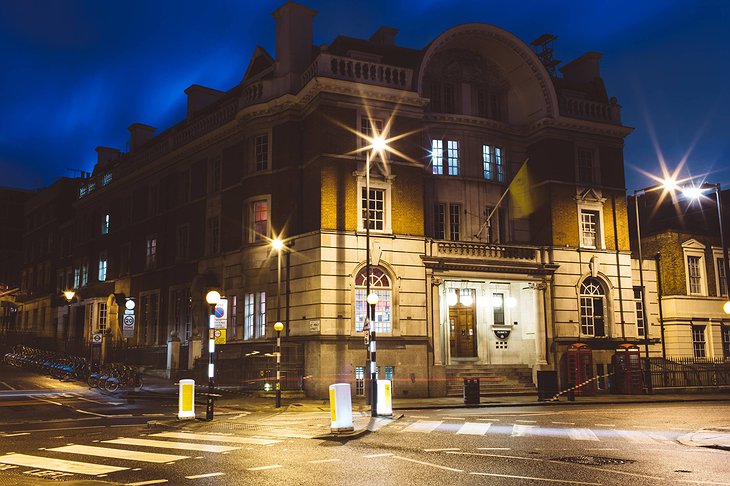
{"points": [[419, 416], [96, 401], [15, 435], [118, 453], [481, 454], [527, 421], [442, 449], [163, 444], [263, 468], [59, 464], [473, 428], [216, 438], [423, 426], [103, 414], [533, 478], [603, 449], [638, 437], [209, 475], [371, 456], [604, 425], [428, 464], [494, 448], [153, 414], [521, 430], [145, 483], [9, 386], [700, 482], [583, 434], [321, 461], [564, 423]]}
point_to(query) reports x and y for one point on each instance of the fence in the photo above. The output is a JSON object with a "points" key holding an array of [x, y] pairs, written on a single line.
{"points": [[251, 370], [686, 372]]}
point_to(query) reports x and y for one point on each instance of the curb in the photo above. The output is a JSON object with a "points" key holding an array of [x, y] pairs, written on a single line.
{"points": [[556, 402]]}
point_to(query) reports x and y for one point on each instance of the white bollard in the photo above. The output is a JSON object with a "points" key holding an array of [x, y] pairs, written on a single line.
{"points": [[341, 408], [385, 403], [186, 399]]}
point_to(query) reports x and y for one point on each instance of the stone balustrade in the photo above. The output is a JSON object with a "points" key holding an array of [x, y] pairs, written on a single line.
{"points": [[368, 72], [590, 110], [461, 249]]}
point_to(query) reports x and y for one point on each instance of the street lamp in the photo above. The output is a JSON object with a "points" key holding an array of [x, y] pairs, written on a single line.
{"points": [[278, 245], [69, 294], [212, 298]]}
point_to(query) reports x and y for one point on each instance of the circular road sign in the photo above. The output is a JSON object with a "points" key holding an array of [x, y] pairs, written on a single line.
{"points": [[219, 312], [128, 321], [96, 338]]}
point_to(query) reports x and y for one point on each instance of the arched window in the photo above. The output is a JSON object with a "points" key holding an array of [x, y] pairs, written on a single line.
{"points": [[592, 308], [380, 285]]}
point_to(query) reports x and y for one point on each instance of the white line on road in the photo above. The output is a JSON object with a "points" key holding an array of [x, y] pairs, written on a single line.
{"points": [[209, 475], [473, 428], [521, 430], [583, 434], [263, 468], [496, 455], [15, 435], [428, 464], [96, 401], [163, 444], [527, 421], [216, 438], [564, 423], [604, 425], [423, 426], [9, 386], [371, 456], [494, 448], [533, 478], [321, 461], [700, 482], [103, 414], [59, 464], [145, 483], [442, 449], [118, 453]]}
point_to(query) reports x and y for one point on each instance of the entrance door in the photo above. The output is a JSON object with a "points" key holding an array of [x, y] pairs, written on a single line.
{"points": [[462, 328]]}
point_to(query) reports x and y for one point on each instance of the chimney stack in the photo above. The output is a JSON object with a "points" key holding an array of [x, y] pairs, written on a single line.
{"points": [[105, 155], [294, 37], [385, 36], [139, 135], [585, 69], [200, 97]]}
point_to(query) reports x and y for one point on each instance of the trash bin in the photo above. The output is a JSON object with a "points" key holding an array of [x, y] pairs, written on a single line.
{"points": [[471, 391], [547, 385]]}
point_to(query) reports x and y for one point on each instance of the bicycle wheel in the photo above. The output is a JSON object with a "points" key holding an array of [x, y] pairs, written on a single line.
{"points": [[111, 384], [93, 380]]}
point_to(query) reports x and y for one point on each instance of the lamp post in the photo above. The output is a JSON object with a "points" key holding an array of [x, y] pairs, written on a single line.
{"points": [[278, 245], [647, 368], [212, 298], [69, 295]]}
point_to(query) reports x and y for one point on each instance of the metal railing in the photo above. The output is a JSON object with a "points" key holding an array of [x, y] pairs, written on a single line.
{"points": [[689, 372]]}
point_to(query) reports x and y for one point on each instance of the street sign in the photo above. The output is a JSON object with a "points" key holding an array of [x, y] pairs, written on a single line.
{"points": [[128, 325], [219, 335], [220, 316], [96, 338]]}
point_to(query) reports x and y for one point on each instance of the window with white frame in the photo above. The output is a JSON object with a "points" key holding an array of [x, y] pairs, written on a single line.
{"points": [[261, 152], [445, 162], [381, 286], [105, 224], [640, 320], [370, 127], [85, 272], [261, 314], [492, 161], [694, 267], [77, 276], [359, 380], [375, 204], [592, 308], [103, 262], [694, 274], [259, 220], [249, 315], [590, 228], [698, 341], [447, 221], [102, 316]]}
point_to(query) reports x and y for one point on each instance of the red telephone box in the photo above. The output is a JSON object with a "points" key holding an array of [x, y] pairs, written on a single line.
{"points": [[628, 377], [579, 367]]}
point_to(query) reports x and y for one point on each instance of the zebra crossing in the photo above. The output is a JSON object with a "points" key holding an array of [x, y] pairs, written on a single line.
{"points": [[518, 430], [156, 448]]}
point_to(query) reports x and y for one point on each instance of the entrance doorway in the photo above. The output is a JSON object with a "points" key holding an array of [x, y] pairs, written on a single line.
{"points": [[462, 326]]}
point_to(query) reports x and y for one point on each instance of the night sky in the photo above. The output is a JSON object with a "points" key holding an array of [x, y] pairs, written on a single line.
{"points": [[76, 74]]}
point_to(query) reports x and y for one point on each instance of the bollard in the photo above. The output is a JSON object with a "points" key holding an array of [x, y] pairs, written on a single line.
{"points": [[385, 403], [341, 408], [186, 399]]}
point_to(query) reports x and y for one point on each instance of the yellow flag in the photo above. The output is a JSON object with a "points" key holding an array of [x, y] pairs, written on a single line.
{"points": [[522, 193]]}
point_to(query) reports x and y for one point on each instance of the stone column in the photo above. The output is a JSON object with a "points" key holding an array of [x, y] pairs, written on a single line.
{"points": [[173, 354]]}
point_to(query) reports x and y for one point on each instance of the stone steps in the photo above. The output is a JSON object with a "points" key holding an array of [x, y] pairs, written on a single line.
{"points": [[495, 380]]}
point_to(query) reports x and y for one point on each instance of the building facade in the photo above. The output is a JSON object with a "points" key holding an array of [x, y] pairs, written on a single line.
{"points": [[498, 222]]}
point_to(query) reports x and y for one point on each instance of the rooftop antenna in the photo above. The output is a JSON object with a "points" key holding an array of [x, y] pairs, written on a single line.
{"points": [[543, 47]]}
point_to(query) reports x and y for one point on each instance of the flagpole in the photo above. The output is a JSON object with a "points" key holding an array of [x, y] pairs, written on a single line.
{"points": [[494, 209]]}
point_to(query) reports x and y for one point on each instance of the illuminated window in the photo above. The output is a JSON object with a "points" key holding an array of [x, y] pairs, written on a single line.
{"points": [[380, 285], [359, 380], [259, 214], [248, 316], [695, 274], [437, 156], [84, 273], [592, 304], [589, 226], [640, 322], [492, 162], [376, 203], [105, 224], [102, 266], [106, 179], [261, 314], [102, 316], [453, 157]]}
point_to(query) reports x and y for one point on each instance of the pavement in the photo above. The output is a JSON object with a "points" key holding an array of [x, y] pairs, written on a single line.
{"points": [[301, 417]]}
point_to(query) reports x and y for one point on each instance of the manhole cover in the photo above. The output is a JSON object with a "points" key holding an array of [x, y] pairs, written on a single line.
{"points": [[594, 460]]}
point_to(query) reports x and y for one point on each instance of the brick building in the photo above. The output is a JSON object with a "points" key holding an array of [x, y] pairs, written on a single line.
{"points": [[281, 154]]}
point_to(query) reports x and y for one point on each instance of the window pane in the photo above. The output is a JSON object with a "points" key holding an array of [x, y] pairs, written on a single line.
{"points": [[695, 278], [437, 156], [262, 152], [585, 166], [499, 166], [261, 220], [698, 341], [454, 222], [440, 221], [487, 161], [453, 155], [589, 232]]}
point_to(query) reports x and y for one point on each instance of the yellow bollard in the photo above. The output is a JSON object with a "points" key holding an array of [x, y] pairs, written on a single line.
{"points": [[385, 403], [186, 399]]}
